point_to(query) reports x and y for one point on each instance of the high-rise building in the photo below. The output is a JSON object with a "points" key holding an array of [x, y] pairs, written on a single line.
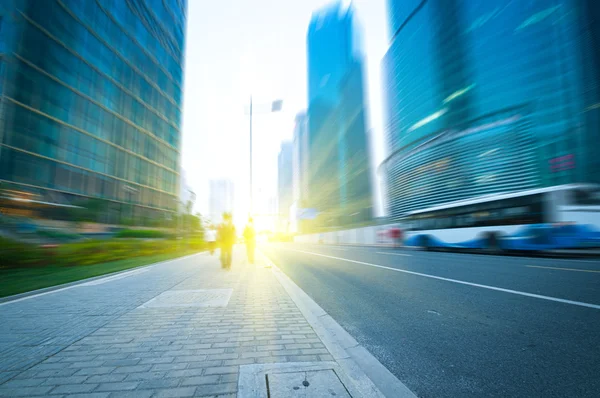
{"points": [[220, 199], [91, 103], [489, 97], [300, 157], [285, 181], [337, 140]]}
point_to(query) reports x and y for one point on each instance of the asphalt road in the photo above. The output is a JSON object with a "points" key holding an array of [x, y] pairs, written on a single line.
{"points": [[461, 325]]}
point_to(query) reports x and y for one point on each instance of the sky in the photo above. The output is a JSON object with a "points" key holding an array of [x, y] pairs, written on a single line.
{"points": [[239, 48]]}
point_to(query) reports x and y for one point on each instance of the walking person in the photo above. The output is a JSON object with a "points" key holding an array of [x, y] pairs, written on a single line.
{"points": [[250, 240], [211, 239], [226, 238]]}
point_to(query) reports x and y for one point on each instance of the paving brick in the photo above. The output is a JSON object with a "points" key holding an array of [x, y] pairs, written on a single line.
{"points": [[216, 389], [303, 358], [314, 351], [145, 376], [175, 392], [297, 346], [131, 394], [255, 354], [196, 346], [185, 373], [120, 386], [169, 366], [122, 362], [224, 356], [158, 383], [95, 371], [237, 362], [19, 383], [194, 381], [271, 359], [227, 345], [205, 364], [155, 360], [281, 341], [210, 351], [228, 378], [74, 388], [109, 378], [221, 370], [57, 373], [54, 381], [133, 369], [24, 391], [191, 358], [89, 395], [285, 352], [270, 347], [326, 357]]}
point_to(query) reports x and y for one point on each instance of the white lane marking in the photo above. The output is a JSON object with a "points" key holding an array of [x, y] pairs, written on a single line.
{"points": [[79, 284], [499, 289], [395, 254], [563, 269]]}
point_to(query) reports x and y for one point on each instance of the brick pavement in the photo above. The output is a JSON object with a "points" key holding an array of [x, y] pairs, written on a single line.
{"points": [[108, 340]]}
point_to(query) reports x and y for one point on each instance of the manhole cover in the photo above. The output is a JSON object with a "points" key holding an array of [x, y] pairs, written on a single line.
{"points": [[317, 384], [190, 298], [296, 380]]}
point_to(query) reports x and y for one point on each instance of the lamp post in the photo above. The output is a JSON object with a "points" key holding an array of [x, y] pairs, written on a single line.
{"points": [[276, 106]]}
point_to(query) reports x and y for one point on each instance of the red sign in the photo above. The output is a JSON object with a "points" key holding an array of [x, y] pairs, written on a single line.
{"points": [[561, 163]]}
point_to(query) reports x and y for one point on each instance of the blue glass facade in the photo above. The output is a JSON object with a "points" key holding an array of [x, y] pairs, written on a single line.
{"points": [[285, 180], [338, 171], [92, 101], [455, 64]]}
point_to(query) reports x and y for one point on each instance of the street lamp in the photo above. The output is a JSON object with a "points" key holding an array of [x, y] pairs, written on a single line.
{"points": [[276, 106]]}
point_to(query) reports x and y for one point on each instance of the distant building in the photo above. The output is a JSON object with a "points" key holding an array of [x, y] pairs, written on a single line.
{"points": [[483, 97], [300, 162], [221, 199], [338, 175], [300, 159], [186, 194], [90, 103], [285, 181]]}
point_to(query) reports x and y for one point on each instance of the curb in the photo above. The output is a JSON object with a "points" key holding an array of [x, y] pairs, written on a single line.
{"points": [[51, 289], [368, 375]]}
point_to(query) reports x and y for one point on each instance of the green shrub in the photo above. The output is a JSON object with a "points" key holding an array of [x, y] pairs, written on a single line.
{"points": [[143, 233], [58, 235], [15, 254]]}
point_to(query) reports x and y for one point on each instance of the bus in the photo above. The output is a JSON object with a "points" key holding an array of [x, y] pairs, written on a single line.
{"points": [[558, 217]]}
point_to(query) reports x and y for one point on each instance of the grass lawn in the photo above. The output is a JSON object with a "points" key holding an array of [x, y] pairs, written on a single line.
{"points": [[19, 280]]}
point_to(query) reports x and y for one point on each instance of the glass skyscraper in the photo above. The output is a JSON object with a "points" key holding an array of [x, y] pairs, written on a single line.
{"points": [[488, 97], [91, 102], [338, 171]]}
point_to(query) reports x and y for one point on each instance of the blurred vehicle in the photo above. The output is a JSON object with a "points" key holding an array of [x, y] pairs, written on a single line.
{"points": [[559, 217]]}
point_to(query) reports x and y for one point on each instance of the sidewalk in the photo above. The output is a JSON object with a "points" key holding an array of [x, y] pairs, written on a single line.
{"points": [[176, 329]]}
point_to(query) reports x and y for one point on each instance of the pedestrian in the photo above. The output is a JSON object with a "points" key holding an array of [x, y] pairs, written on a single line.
{"points": [[250, 240], [211, 239], [226, 239]]}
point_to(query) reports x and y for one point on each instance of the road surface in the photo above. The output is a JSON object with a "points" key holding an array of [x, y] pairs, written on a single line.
{"points": [[461, 325]]}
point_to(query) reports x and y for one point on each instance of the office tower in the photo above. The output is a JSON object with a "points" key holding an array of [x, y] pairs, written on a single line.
{"points": [[300, 158], [489, 97], [220, 199], [338, 171], [91, 104], [285, 181]]}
